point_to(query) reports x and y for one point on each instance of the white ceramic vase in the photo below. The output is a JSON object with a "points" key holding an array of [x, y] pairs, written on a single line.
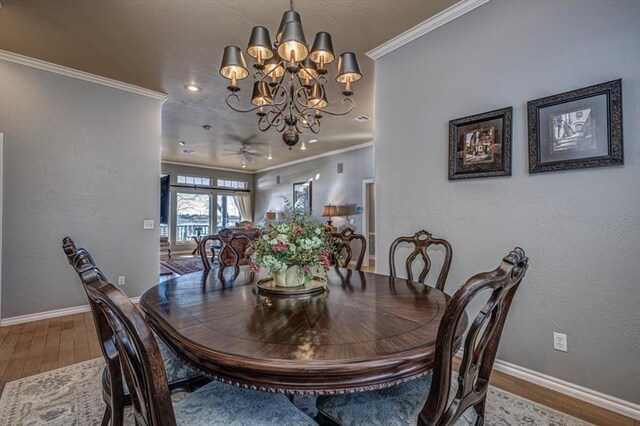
{"points": [[292, 277]]}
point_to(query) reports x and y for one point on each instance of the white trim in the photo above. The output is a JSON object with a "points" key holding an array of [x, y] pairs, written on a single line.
{"points": [[365, 218], [1, 207], [590, 396], [80, 75], [315, 157], [51, 314], [204, 166], [436, 21]]}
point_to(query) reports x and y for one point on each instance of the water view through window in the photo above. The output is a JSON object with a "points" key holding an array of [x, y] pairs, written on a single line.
{"points": [[193, 215]]}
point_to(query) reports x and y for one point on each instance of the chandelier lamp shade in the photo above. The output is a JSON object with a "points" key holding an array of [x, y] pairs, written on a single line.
{"points": [[289, 90]]}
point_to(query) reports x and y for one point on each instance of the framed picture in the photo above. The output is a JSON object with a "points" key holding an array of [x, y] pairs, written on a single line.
{"points": [[302, 196], [577, 129], [480, 145]]}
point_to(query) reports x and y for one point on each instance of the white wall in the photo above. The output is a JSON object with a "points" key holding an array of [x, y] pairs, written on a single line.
{"points": [[83, 160], [581, 229]]}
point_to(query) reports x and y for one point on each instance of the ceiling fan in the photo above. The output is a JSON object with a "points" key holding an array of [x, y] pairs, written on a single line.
{"points": [[247, 152]]}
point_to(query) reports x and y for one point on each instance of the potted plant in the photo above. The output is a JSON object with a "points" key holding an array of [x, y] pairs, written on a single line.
{"points": [[293, 248]]}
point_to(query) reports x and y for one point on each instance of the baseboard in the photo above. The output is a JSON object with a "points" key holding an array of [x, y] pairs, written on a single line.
{"points": [[590, 396], [51, 314]]}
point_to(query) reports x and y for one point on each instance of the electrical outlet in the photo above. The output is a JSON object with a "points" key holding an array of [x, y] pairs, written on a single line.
{"points": [[560, 342], [121, 280], [148, 224]]}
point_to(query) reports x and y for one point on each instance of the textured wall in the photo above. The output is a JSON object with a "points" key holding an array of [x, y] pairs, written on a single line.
{"points": [[177, 169], [581, 229], [83, 160], [328, 186]]}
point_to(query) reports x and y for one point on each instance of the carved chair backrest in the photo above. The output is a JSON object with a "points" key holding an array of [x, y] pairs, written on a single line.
{"points": [[346, 237], [83, 263], [421, 241], [480, 345], [225, 237], [138, 352]]}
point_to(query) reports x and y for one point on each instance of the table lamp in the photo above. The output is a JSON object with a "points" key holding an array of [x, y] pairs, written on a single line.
{"points": [[328, 211]]}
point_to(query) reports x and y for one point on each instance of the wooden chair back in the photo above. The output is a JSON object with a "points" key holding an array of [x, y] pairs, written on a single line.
{"points": [[480, 345], [225, 237], [138, 352], [421, 241], [346, 237]]}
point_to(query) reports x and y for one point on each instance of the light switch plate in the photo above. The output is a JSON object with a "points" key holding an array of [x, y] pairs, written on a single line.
{"points": [[149, 224]]}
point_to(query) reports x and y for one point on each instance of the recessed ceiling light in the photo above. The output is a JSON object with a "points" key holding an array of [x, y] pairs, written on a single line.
{"points": [[269, 157], [362, 118], [313, 141], [192, 87], [303, 147], [188, 151], [244, 165], [206, 127], [182, 143]]}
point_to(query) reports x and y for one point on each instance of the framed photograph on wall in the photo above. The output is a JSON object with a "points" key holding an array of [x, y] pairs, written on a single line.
{"points": [[302, 196], [480, 145], [577, 129]]}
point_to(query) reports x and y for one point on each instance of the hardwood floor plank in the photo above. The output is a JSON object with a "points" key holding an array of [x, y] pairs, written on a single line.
{"points": [[92, 336], [34, 356], [80, 342], [52, 346]]}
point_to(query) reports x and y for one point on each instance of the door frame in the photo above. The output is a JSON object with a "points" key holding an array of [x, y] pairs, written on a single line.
{"points": [[1, 207], [365, 217]]}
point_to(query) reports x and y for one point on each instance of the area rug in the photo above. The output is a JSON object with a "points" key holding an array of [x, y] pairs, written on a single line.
{"points": [[72, 396], [183, 265]]}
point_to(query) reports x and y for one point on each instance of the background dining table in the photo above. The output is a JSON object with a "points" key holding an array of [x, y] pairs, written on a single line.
{"points": [[367, 331]]}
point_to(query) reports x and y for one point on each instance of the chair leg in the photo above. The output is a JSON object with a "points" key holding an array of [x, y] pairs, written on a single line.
{"points": [[107, 416], [479, 407]]}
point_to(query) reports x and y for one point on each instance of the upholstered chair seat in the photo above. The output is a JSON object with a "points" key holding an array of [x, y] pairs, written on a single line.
{"points": [[220, 404], [394, 406], [177, 371]]}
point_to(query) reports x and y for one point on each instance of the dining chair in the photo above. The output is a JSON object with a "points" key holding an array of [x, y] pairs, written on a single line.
{"points": [[226, 238], [115, 392], [346, 237], [213, 404], [433, 399], [421, 241]]}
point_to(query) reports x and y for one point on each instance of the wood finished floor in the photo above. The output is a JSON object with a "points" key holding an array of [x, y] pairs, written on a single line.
{"points": [[39, 346]]}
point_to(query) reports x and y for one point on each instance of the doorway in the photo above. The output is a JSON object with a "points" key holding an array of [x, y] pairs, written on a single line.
{"points": [[369, 221]]}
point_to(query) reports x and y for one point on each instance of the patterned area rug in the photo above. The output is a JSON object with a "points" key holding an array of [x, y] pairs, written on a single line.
{"points": [[72, 396], [183, 265]]}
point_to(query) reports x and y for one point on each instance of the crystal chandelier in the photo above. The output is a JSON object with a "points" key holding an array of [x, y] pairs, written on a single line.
{"points": [[289, 92]]}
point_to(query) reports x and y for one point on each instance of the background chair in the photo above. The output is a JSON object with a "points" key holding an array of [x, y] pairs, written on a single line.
{"points": [[421, 241], [144, 371], [114, 390], [346, 237], [228, 254], [446, 404]]}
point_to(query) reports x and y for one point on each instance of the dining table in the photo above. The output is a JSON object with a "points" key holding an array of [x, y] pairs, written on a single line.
{"points": [[366, 331]]}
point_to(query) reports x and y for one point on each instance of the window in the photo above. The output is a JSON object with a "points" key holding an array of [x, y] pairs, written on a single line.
{"points": [[232, 184], [193, 215], [194, 180], [228, 211]]}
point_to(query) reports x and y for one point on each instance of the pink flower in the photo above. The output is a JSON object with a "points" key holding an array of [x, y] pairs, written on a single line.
{"points": [[254, 267], [279, 247], [307, 268], [299, 231]]}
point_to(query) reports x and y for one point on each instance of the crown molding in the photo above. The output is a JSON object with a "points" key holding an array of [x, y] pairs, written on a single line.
{"points": [[204, 166], [80, 75], [315, 157], [436, 21]]}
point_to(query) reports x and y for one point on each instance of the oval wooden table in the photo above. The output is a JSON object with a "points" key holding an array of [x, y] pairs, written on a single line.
{"points": [[366, 332]]}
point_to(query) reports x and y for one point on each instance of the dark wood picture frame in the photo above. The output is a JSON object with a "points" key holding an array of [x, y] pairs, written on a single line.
{"points": [[562, 145], [495, 159], [309, 185]]}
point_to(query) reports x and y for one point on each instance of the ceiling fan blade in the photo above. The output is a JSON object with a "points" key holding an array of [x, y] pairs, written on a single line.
{"points": [[235, 153]]}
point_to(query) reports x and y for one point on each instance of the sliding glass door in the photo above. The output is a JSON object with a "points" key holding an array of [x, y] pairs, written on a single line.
{"points": [[228, 213], [193, 215]]}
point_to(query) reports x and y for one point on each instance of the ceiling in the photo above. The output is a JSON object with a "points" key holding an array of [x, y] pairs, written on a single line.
{"points": [[164, 45]]}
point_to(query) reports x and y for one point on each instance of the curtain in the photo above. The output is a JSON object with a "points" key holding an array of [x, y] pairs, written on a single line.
{"points": [[244, 205]]}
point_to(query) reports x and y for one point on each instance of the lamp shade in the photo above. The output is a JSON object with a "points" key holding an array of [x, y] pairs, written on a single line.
{"points": [[273, 68], [260, 44], [293, 44], [309, 68], [346, 210], [322, 50], [233, 62], [261, 94], [348, 68], [288, 16], [329, 210], [317, 97]]}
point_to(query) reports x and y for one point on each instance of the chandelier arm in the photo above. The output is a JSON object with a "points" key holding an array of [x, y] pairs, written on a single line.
{"points": [[285, 92], [345, 100], [237, 98], [272, 118], [304, 106]]}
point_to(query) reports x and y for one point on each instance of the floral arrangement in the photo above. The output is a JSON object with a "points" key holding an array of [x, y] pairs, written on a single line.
{"points": [[294, 240]]}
